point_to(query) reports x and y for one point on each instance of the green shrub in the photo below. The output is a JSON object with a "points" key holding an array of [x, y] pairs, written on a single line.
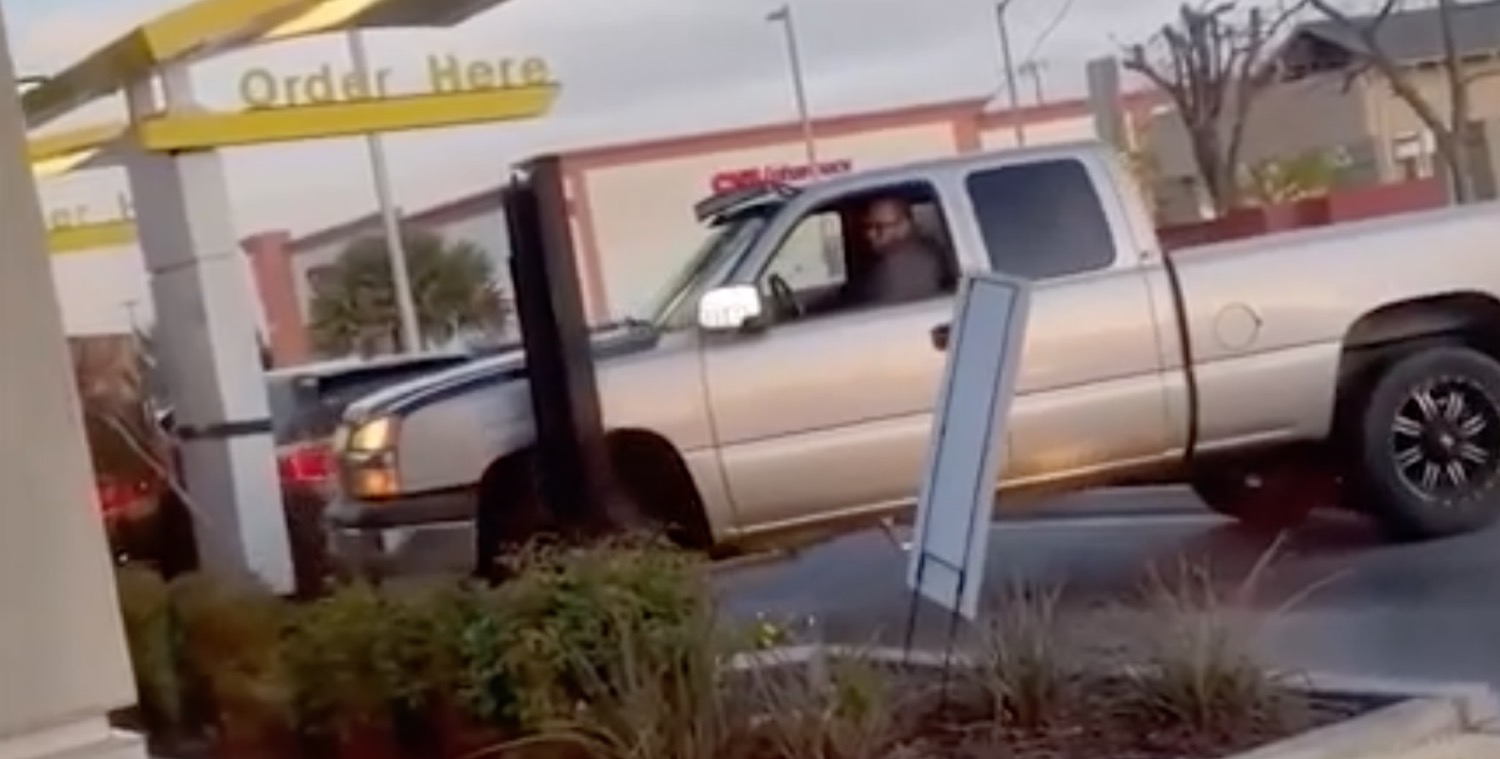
{"points": [[230, 655], [146, 609], [1022, 667], [572, 608], [844, 708], [1201, 671], [615, 652]]}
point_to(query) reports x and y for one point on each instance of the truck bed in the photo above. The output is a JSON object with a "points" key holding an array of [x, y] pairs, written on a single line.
{"points": [[1266, 317]]}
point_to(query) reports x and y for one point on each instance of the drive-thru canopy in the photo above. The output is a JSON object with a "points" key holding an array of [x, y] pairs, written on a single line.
{"points": [[205, 28]]}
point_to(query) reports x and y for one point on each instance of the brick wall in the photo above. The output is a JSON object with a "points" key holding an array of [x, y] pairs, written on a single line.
{"points": [[270, 257], [1341, 206]]}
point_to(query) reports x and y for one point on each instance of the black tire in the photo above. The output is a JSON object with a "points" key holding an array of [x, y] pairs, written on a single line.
{"points": [[508, 513], [654, 497], [1426, 449], [311, 565]]}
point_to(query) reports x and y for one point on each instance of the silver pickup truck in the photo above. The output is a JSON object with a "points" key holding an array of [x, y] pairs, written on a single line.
{"points": [[1352, 365]]}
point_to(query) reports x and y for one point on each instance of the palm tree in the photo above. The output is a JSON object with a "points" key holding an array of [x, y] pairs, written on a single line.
{"points": [[453, 288]]}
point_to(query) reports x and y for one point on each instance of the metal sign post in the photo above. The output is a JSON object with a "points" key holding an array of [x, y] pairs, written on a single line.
{"points": [[947, 559], [571, 464]]}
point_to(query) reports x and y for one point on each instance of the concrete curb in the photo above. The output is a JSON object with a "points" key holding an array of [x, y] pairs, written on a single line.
{"points": [[1433, 719], [1381, 733]]}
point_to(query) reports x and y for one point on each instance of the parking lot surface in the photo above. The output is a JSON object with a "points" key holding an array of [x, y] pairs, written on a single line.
{"points": [[1428, 611]]}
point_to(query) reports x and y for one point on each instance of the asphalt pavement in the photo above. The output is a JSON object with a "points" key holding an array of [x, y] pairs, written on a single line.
{"points": [[1335, 597]]}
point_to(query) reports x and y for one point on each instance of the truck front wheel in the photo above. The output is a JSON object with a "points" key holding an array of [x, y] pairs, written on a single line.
{"points": [[1426, 448]]}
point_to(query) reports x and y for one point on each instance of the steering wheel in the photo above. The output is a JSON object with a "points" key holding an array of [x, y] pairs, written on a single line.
{"points": [[781, 293]]}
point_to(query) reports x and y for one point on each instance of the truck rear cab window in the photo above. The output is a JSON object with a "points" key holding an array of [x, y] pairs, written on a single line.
{"points": [[1041, 220]]}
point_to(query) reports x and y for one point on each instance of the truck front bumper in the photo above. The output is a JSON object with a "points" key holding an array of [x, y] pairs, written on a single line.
{"points": [[424, 534]]}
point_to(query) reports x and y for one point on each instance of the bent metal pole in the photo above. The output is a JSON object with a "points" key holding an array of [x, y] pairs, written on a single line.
{"points": [[395, 244]]}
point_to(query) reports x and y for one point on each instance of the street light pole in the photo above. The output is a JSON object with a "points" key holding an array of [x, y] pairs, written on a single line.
{"points": [[1010, 72], [1035, 70], [411, 336], [783, 16]]}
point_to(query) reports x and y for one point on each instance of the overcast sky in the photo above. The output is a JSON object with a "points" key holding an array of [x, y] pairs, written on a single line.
{"points": [[629, 69]]}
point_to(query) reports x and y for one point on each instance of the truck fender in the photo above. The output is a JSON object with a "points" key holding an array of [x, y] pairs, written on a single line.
{"points": [[1373, 339], [646, 466]]}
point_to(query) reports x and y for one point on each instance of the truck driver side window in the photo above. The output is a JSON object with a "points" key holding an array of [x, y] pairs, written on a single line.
{"points": [[1041, 220], [875, 249]]}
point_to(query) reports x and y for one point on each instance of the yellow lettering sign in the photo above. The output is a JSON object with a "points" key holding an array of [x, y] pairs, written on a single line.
{"points": [[446, 74], [260, 88], [81, 214]]}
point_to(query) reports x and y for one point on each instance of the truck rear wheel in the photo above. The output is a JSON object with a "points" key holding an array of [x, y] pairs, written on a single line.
{"points": [[1426, 450]]}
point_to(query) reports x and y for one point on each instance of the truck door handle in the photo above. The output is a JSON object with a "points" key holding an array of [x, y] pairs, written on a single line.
{"points": [[940, 336]]}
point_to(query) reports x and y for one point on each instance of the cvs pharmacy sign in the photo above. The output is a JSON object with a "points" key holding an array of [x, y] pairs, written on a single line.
{"points": [[786, 173]]}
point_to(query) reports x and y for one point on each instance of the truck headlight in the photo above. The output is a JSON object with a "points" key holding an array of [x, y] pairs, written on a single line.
{"points": [[372, 436], [367, 458]]}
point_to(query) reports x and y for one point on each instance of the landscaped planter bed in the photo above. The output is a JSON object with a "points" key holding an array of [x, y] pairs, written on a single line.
{"points": [[1314, 716], [617, 653]]}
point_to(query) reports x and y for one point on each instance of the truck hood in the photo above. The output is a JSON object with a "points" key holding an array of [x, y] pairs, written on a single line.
{"points": [[506, 366]]}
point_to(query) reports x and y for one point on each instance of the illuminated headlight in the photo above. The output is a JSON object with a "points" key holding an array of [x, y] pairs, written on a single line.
{"points": [[367, 459], [372, 436]]}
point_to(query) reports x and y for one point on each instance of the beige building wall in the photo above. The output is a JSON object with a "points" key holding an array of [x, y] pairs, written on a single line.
{"points": [[1288, 119], [1071, 129], [1376, 132], [642, 212], [1398, 130]]}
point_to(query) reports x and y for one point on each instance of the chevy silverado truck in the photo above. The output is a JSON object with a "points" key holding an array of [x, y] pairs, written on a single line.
{"points": [[1357, 361]]}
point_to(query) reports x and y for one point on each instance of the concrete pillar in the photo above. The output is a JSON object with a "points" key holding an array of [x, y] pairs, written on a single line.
{"points": [[270, 257], [207, 319], [1106, 103], [63, 661]]}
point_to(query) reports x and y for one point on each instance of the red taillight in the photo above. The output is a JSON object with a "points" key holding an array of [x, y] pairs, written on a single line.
{"points": [[306, 465], [116, 497]]}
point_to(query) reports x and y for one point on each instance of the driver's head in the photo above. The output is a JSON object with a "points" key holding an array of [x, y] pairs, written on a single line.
{"points": [[889, 223]]}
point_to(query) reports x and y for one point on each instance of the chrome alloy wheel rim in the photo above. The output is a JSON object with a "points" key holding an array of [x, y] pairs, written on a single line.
{"points": [[1445, 439]]}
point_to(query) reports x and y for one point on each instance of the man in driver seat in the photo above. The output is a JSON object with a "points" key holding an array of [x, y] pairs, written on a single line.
{"points": [[905, 266]]}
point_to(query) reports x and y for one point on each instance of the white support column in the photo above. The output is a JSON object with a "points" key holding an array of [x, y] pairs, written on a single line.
{"points": [[63, 661], [206, 325]]}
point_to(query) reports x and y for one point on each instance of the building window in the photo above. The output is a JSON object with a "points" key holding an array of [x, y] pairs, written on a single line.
{"points": [[1412, 155], [320, 277]]}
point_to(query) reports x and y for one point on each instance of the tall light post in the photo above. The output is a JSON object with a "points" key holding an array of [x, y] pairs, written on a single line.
{"points": [[395, 245], [1010, 72], [783, 16], [1035, 70]]}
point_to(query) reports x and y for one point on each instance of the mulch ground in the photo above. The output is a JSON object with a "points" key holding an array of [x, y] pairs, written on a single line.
{"points": [[1102, 723]]}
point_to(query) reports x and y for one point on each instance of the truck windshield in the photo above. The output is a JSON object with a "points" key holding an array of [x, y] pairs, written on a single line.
{"points": [[673, 308]]}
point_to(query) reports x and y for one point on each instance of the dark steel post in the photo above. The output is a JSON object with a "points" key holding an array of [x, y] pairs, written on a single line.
{"points": [[571, 463]]}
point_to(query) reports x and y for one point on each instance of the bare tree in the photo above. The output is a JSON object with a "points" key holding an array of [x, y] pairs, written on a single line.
{"points": [[1212, 62], [1448, 135]]}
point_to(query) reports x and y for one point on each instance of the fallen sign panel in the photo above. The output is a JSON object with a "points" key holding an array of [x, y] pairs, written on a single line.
{"points": [[946, 563]]}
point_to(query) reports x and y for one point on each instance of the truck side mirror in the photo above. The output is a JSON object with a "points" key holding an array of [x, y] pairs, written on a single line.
{"points": [[730, 309]]}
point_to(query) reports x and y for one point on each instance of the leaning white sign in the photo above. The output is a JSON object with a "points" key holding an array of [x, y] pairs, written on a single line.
{"points": [[958, 493]]}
